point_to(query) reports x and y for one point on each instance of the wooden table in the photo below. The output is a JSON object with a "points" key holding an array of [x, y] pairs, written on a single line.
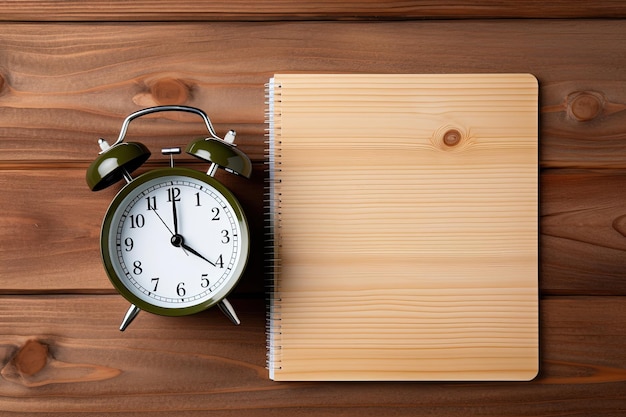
{"points": [[71, 71]]}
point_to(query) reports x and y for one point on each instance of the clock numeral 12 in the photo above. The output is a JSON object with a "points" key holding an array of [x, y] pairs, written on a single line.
{"points": [[173, 194]]}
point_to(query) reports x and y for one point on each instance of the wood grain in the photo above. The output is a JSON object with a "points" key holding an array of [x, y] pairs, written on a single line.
{"points": [[71, 71], [193, 365], [50, 228], [407, 253], [167, 10], [583, 232], [64, 85], [582, 248]]}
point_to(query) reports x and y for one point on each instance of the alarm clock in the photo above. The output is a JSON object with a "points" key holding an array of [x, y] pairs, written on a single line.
{"points": [[174, 241]]}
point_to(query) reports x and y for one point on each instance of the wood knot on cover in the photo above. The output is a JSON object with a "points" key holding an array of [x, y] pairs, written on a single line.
{"points": [[450, 138]]}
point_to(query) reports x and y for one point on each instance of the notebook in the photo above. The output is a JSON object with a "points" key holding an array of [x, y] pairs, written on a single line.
{"points": [[403, 219]]}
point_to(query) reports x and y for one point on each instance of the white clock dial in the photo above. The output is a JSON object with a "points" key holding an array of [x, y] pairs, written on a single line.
{"points": [[176, 241]]}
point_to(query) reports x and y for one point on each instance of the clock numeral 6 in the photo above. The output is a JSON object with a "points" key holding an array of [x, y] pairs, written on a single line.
{"points": [[180, 289]]}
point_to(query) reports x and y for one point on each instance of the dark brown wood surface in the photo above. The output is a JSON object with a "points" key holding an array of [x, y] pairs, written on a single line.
{"points": [[173, 10], [70, 73]]}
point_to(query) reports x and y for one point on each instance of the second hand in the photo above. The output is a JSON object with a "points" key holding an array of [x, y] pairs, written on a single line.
{"points": [[168, 228]]}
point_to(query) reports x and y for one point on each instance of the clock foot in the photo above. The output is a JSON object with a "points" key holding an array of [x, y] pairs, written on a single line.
{"points": [[129, 317], [228, 310]]}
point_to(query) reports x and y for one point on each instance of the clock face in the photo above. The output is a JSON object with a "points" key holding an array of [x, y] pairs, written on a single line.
{"points": [[174, 241]]}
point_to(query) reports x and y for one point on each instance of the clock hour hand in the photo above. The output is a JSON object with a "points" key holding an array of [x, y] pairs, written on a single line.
{"points": [[179, 241], [168, 228]]}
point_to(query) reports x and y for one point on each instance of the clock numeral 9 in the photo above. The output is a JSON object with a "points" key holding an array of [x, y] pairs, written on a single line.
{"points": [[129, 244]]}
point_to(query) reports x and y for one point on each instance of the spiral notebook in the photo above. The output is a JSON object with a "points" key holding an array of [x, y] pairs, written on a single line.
{"points": [[403, 218]]}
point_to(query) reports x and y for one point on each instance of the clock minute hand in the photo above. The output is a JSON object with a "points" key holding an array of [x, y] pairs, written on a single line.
{"points": [[174, 213], [179, 241]]}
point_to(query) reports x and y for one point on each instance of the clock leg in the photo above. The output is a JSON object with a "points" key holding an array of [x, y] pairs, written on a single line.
{"points": [[228, 310], [129, 317]]}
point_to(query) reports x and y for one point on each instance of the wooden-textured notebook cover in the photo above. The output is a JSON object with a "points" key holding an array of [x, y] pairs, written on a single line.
{"points": [[404, 211]]}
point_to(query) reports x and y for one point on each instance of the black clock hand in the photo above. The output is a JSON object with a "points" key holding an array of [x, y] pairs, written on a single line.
{"points": [[174, 213], [170, 230], [163, 221], [179, 241]]}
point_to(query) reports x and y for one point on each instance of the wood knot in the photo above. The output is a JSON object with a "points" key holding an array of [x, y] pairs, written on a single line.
{"points": [[584, 106], [450, 138], [31, 358], [619, 225], [169, 91]]}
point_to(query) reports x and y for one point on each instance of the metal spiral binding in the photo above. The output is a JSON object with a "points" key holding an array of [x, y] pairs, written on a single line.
{"points": [[272, 201]]}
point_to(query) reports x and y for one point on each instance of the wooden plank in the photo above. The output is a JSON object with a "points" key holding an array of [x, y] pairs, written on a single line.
{"points": [[64, 85], [42, 249], [64, 355], [169, 10], [583, 232], [49, 230]]}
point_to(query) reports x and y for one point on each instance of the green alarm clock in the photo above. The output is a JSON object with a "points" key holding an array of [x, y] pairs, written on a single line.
{"points": [[174, 241]]}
